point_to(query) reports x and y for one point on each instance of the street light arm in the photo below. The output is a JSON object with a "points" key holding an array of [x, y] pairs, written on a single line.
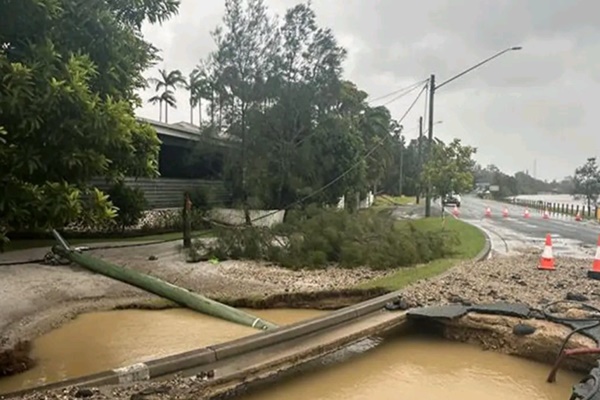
{"points": [[477, 65]]}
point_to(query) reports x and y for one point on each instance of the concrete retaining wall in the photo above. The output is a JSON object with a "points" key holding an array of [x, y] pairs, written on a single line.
{"points": [[230, 216]]}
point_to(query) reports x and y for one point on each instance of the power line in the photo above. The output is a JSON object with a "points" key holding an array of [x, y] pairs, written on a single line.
{"points": [[343, 174], [408, 88], [402, 95]]}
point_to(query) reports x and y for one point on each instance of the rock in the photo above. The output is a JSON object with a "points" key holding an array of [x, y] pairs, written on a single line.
{"points": [[523, 329], [152, 258], [576, 297], [398, 304], [83, 393], [149, 391]]}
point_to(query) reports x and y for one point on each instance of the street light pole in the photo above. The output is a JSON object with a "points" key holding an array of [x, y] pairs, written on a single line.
{"points": [[432, 89]]}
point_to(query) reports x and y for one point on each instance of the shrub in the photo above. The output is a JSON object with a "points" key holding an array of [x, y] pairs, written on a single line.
{"points": [[318, 237], [130, 202]]}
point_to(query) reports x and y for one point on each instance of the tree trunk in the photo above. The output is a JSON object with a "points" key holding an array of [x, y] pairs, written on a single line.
{"points": [[160, 108], [164, 289], [199, 112], [212, 109], [245, 166], [166, 113], [191, 114]]}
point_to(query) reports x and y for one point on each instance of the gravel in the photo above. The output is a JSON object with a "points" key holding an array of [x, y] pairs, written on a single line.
{"points": [[510, 279]]}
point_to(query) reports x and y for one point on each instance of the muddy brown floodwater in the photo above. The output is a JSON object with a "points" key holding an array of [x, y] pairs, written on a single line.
{"points": [[424, 368], [99, 341]]}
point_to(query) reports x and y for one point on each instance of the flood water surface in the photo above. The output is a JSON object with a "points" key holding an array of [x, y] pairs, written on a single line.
{"points": [[424, 368], [101, 341], [399, 368]]}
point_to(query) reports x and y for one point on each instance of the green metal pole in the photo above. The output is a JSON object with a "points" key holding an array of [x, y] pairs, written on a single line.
{"points": [[161, 288]]}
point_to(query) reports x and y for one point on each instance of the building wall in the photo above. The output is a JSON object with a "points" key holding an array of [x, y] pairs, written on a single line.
{"points": [[167, 192]]}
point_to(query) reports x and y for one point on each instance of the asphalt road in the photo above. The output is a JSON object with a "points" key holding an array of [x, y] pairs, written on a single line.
{"points": [[513, 233]]}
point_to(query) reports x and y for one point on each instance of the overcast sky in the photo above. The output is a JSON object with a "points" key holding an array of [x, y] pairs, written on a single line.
{"points": [[539, 103]]}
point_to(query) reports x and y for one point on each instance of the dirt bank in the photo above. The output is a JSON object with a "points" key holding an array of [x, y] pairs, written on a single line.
{"points": [[493, 332], [37, 298]]}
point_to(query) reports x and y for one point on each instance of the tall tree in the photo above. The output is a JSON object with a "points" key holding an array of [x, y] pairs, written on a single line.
{"points": [[303, 133], [245, 44], [587, 182], [450, 168], [168, 82], [192, 85], [70, 72]]}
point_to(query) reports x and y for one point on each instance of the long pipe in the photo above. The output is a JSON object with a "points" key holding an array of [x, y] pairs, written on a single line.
{"points": [[159, 287]]}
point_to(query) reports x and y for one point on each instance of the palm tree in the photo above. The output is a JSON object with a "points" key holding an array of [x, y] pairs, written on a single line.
{"points": [[168, 98], [157, 99], [193, 85], [168, 82]]}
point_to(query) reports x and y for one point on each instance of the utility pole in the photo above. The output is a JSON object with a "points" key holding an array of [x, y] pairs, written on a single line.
{"points": [[401, 165], [429, 142], [432, 89], [419, 159]]}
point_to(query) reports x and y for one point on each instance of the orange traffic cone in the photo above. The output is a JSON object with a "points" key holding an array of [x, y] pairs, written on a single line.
{"points": [[546, 214], [505, 212], [547, 260], [488, 212], [526, 213], [578, 216], [595, 271], [455, 211]]}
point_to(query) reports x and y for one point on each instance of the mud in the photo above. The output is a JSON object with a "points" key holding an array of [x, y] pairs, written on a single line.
{"points": [[16, 360], [493, 332], [321, 300]]}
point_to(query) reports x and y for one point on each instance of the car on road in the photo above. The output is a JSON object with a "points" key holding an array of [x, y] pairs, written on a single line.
{"points": [[452, 198]]}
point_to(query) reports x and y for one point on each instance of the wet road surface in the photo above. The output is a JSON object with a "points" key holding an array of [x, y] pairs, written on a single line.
{"points": [[510, 234]]}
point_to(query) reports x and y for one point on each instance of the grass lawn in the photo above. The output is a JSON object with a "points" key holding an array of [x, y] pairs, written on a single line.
{"points": [[23, 244], [472, 241], [385, 201]]}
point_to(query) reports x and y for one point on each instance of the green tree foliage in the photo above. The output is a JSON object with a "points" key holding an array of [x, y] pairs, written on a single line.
{"points": [[130, 203], [166, 85], [275, 87], [449, 168], [587, 181], [70, 70], [320, 237]]}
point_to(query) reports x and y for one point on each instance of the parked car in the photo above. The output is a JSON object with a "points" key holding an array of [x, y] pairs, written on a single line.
{"points": [[453, 198]]}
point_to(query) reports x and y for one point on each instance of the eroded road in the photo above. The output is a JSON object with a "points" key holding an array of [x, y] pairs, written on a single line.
{"points": [[515, 233]]}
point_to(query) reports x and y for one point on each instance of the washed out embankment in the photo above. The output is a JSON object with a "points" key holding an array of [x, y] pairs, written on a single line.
{"points": [[43, 297], [40, 298]]}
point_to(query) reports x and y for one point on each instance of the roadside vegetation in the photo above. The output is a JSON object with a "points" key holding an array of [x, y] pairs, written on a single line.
{"points": [[385, 201], [470, 242], [318, 238]]}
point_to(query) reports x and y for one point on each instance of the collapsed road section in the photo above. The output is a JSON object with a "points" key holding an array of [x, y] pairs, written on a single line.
{"points": [[231, 368], [520, 330]]}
